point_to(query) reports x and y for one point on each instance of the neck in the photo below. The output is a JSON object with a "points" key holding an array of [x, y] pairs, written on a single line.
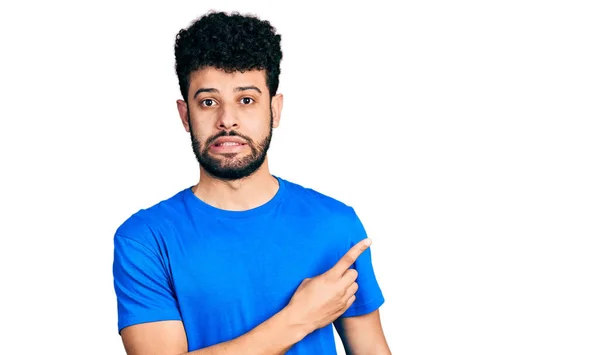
{"points": [[237, 195]]}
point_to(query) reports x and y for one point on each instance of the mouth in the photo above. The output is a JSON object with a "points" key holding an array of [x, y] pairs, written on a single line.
{"points": [[228, 144]]}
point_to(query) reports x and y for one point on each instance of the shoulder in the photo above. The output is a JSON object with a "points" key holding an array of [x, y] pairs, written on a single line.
{"points": [[319, 202], [148, 225], [331, 219]]}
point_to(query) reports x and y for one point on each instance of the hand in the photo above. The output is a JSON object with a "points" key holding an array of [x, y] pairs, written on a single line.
{"points": [[320, 300]]}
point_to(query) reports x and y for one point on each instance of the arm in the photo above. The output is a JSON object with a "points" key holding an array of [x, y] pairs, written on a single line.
{"points": [[275, 336], [149, 322], [363, 335], [149, 319], [360, 327]]}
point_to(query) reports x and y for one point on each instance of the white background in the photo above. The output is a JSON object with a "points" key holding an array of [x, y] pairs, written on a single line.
{"points": [[465, 134]]}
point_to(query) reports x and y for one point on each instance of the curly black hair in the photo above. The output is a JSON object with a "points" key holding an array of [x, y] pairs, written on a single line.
{"points": [[230, 42]]}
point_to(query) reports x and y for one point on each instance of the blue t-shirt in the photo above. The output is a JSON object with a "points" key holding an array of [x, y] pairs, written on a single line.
{"points": [[222, 273]]}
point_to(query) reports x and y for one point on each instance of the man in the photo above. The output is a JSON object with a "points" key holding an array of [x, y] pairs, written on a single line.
{"points": [[244, 262]]}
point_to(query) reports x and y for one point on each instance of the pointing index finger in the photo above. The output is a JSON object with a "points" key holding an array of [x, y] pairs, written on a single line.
{"points": [[350, 257]]}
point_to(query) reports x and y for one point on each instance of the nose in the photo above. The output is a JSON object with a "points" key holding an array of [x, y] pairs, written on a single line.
{"points": [[227, 119]]}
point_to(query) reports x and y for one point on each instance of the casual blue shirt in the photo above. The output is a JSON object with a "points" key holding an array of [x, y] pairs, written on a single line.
{"points": [[222, 273]]}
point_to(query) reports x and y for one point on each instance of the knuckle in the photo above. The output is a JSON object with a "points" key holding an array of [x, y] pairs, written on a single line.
{"points": [[305, 281], [348, 259]]}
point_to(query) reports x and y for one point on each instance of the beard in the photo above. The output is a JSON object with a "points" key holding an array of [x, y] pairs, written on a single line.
{"points": [[229, 167]]}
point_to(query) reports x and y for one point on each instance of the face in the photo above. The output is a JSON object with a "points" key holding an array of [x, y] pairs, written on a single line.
{"points": [[230, 117]]}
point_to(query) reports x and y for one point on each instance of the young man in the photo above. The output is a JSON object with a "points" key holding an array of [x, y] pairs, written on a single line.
{"points": [[243, 262]]}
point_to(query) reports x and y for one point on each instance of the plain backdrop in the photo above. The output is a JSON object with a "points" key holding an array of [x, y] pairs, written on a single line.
{"points": [[464, 133]]}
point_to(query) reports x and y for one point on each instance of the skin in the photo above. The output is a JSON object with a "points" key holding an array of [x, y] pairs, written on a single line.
{"points": [[241, 102], [229, 112]]}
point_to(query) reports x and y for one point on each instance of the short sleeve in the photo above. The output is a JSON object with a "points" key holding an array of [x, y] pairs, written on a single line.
{"points": [[141, 285], [369, 296]]}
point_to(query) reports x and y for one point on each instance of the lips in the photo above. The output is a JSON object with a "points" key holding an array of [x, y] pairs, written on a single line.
{"points": [[228, 142]]}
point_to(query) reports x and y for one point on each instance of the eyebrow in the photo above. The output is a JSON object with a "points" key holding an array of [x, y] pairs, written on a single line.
{"points": [[251, 87], [238, 89]]}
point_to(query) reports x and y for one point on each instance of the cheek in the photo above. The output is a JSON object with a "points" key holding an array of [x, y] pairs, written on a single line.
{"points": [[200, 127], [260, 131]]}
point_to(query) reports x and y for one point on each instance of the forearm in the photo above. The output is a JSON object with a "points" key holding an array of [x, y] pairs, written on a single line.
{"points": [[275, 336]]}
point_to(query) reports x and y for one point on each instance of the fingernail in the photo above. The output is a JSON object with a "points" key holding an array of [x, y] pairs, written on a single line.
{"points": [[368, 242]]}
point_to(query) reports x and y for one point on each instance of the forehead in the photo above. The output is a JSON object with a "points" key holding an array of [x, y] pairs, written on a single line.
{"points": [[223, 81]]}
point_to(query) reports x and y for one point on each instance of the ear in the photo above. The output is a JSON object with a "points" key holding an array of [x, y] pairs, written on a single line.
{"points": [[183, 114], [276, 107]]}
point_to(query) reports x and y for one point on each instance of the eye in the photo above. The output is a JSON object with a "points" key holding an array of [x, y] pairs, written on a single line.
{"points": [[247, 100], [207, 102]]}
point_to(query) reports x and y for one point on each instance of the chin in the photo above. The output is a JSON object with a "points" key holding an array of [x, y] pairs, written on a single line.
{"points": [[230, 156]]}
